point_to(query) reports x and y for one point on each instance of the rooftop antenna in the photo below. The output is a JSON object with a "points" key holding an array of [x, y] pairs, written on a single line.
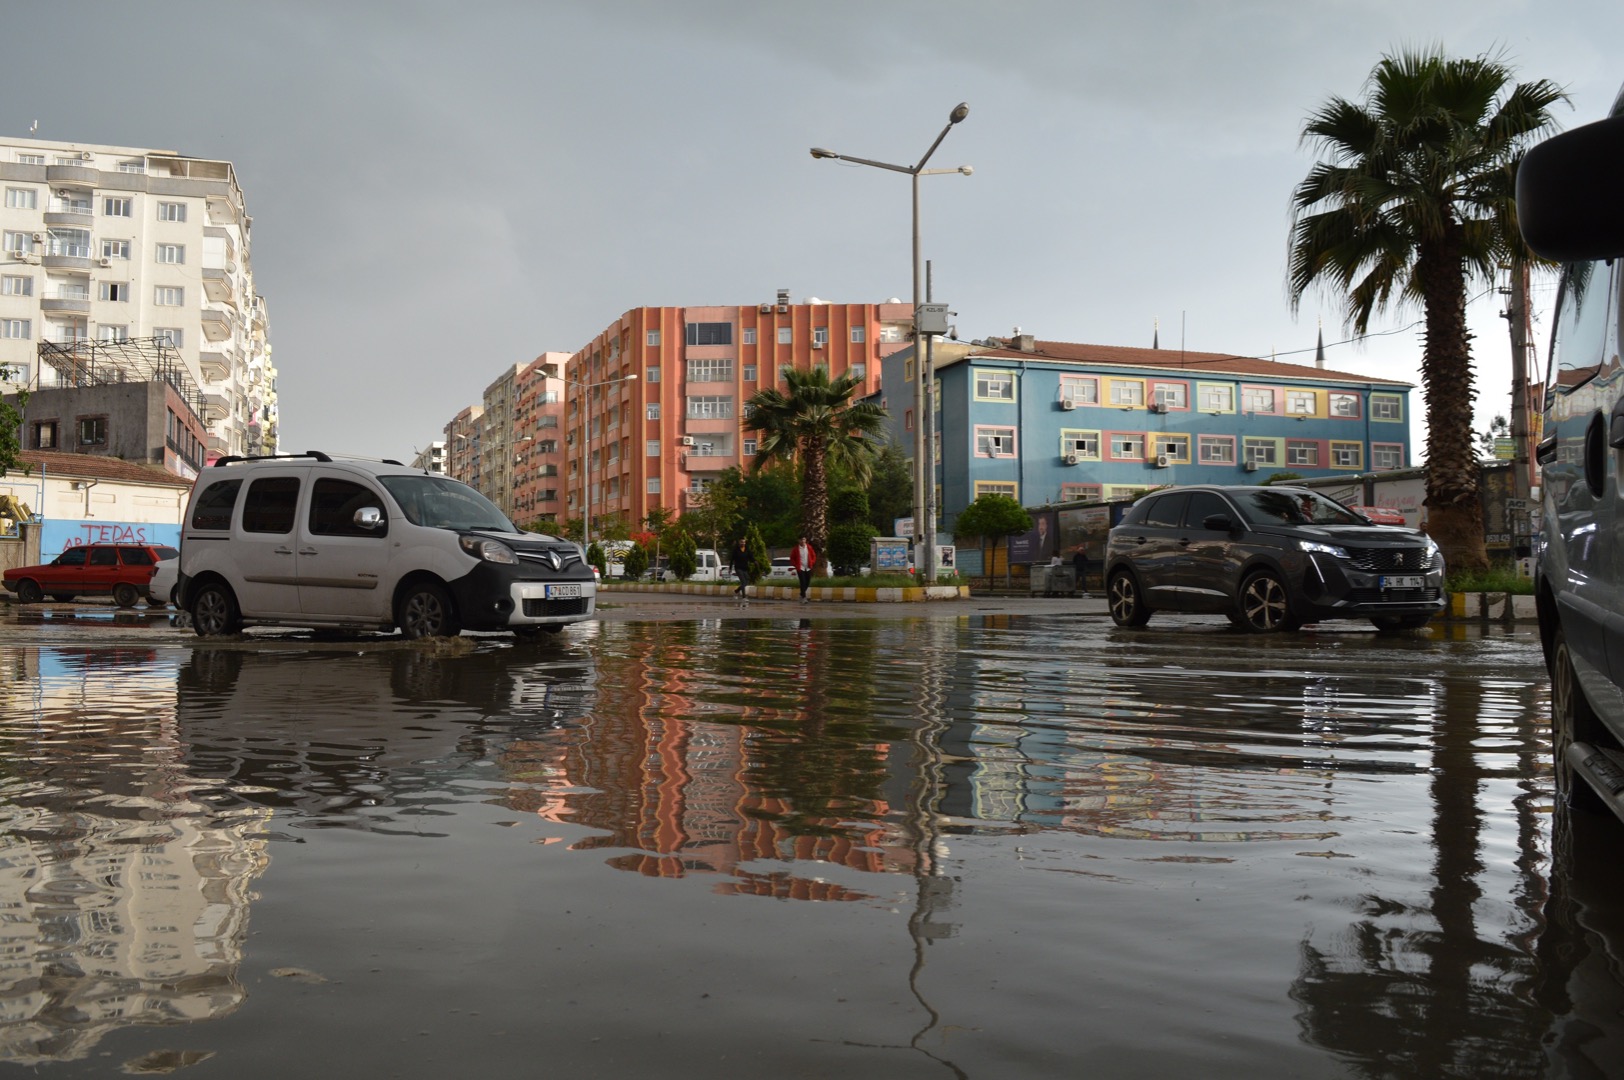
{"points": [[33, 127]]}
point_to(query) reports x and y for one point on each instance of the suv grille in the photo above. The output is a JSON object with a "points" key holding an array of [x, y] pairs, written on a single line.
{"points": [[1384, 559]]}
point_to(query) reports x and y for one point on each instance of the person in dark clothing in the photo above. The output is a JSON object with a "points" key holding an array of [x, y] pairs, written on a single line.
{"points": [[741, 567], [1079, 563]]}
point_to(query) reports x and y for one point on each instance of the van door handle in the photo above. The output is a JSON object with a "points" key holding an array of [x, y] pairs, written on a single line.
{"points": [[282, 551], [309, 551]]}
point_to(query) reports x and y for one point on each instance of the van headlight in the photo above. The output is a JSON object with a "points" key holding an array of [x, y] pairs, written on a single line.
{"points": [[490, 550], [1315, 547]]}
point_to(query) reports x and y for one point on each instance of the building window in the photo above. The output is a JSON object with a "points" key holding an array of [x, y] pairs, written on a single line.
{"points": [[995, 385], [786, 335], [30, 159], [1386, 407], [115, 249], [1217, 397], [74, 243], [22, 198], [169, 296], [1347, 455], [748, 335], [17, 243], [1170, 395], [1175, 447], [749, 448], [1261, 451], [892, 333], [710, 407], [68, 331], [908, 369], [173, 254], [998, 487], [653, 448], [16, 285], [709, 333], [1128, 447], [171, 211], [132, 166], [859, 371], [104, 332], [820, 336], [1345, 405], [172, 336], [1127, 392], [907, 419], [117, 206], [653, 487], [1302, 452], [1216, 449], [859, 334], [1085, 444], [1079, 493], [117, 291], [45, 435], [1300, 403], [653, 337], [995, 441], [92, 431], [749, 372], [18, 329], [1076, 390], [1258, 399], [1386, 455], [710, 370]]}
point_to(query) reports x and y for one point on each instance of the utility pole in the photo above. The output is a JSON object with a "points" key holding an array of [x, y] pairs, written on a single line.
{"points": [[1518, 318]]}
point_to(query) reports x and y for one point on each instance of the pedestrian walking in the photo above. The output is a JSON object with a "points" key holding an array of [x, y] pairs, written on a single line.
{"points": [[1079, 563], [741, 568], [803, 557]]}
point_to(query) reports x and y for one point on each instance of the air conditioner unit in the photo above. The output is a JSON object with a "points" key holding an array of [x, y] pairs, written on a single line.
{"points": [[39, 238], [107, 262], [1072, 459], [86, 155], [766, 309], [1163, 460], [1158, 406], [1251, 466], [817, 344], [783, 309], [1067, 404], [686, 440]]}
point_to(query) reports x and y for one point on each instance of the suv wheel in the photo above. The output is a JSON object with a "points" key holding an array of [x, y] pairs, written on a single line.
{"points": [[425, 611], [1128, 607], [1572, 720], [125, 594], [1265, 606], [214, 611]]}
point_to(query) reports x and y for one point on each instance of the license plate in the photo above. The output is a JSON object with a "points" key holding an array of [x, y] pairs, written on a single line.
{"points": [[1405, 582], [559, 592]]}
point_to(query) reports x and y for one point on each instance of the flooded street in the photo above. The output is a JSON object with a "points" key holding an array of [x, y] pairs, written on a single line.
{"points": [[766, 846]]}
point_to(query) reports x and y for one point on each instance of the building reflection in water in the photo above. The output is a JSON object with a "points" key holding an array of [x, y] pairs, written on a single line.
{"points": [[123, 899]]}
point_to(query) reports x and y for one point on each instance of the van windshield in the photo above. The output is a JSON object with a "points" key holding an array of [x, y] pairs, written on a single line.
{"points": [[442, 503]]}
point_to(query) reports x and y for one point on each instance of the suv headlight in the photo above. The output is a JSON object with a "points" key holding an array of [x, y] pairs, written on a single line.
{"points": [[1315, 547], [489, 550]]}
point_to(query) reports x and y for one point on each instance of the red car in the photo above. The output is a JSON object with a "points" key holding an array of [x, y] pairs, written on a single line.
{"points": [[120, 570]]}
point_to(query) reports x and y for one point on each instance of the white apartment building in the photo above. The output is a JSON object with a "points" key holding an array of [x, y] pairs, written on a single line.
{"points": [[110, 244]]}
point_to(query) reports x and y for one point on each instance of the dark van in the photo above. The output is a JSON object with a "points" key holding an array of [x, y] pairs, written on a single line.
{"points": [[1571, 209]]}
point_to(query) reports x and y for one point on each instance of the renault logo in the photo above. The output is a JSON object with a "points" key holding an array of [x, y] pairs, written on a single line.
{"points": [[553, 560]]}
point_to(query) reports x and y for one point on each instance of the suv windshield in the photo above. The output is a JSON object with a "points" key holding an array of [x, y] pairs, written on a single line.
{"points": [[1294, 507], [442, 503]]}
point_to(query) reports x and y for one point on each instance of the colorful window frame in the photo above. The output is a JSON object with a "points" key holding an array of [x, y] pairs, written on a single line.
{"points": [[1387, 408], [1385, 457], [1304, 452], [1253, 399], [1080, 389], [1175, 446], [994, 385], [1080, 492], [1302, 403], [1215, 397], [1171, 396], [1343, 405], [1079, 441], [1127, 446], [995, 441], [998, 487], [1260, 451], [1125, 393], [1347, 455], [1216, 449]]}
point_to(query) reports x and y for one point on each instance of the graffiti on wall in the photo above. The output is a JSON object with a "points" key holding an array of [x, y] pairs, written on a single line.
{"points": [[57, 536]]}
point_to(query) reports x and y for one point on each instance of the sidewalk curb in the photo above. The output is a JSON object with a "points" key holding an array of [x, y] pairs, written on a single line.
{"points": [[824, 594]]}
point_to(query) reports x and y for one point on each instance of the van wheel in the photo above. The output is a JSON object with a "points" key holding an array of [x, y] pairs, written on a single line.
{"points": [[1128, 607], [28, 591], [214, 611], [126, 595], [1572, 720], [425, 611], [1265, 606]]}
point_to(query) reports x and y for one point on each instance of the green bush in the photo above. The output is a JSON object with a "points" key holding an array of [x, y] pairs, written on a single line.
{"points": [[635, 563], [684, 556], [1500, 579]]}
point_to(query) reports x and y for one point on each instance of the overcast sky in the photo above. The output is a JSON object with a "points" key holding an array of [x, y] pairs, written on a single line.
{"points": [[440, 190]]}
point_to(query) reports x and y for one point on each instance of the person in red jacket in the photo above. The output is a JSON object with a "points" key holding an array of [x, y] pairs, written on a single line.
{"points": [[802, 558]]}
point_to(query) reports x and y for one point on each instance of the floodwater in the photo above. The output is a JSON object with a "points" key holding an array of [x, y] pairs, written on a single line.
{"points": [[990, 847]]}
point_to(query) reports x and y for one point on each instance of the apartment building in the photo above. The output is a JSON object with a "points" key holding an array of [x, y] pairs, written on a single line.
{"points": [[463, 435], [656, 401], [431, 459], [538, 457], [112, 244]]}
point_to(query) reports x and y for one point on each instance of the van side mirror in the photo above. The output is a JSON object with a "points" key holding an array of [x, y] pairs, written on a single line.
{"points": [[1567, 193], [1218, 523], [369, 518]]}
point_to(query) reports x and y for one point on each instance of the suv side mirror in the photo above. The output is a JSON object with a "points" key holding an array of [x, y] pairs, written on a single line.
{"points": [[1218, 523], [369, 518]]}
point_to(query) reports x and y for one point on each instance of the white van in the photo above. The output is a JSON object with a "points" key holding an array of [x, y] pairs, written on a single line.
{"points": [[312, 540], [1571, 210], [708, 567]]}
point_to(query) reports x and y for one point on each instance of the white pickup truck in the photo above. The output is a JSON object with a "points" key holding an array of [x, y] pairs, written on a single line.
{"points": [[710, 567]]}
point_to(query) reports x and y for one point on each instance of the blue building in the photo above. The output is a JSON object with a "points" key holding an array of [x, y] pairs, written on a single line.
{"points": [[1048, 422]]}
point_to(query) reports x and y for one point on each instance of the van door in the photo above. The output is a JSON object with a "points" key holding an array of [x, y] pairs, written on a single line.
{"points": [[263, 549], [343, 568]]}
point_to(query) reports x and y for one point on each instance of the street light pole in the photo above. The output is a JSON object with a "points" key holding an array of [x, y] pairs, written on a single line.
{"points": [[924, 450], [586, 448]]}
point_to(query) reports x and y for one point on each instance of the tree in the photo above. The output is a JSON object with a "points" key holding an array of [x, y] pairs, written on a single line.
{"points": [[1499, 428], [849, 545], [814, 424], [989, 518], [594, 557], [684, 559], [715, 514], [890, 490], [1415, 198], [636, 563], [760, 561], [11, 424]]}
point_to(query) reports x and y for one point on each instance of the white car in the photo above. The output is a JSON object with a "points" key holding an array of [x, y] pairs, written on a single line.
{"points": [[781, 568], [165, 579]]}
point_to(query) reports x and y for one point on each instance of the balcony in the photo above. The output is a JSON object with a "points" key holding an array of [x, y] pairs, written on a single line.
{"points": [[85, 176], [68, 259], [216, 406], [214, 366], [696, 462], [65, 305], [218, 286], [70, 216], [217, 325]]}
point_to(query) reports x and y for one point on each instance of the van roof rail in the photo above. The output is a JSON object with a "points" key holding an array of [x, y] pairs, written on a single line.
{"points": [[233, 458]]}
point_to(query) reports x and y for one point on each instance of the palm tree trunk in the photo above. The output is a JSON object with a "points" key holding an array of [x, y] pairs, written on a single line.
{"points": [[815, 502], [1454, 505]]}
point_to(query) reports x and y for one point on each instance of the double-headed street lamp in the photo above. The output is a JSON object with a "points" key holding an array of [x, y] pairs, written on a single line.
{"points": [[586, 448], [924, 506]]}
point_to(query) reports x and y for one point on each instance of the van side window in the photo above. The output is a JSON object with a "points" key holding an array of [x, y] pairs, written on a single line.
{"points": [[270, 505], [1579, 347], [104, 556], [136, 556], [214, 505], [333, 504]]}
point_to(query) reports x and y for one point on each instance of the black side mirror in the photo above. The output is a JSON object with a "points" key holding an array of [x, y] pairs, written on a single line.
{"points": [[1218, 523]]}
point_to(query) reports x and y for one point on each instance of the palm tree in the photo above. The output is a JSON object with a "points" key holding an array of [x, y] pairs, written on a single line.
{"points": [[815, 423], [1415, 197]]}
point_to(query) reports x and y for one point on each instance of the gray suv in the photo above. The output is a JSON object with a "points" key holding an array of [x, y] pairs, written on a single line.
{"points": [[1571, 209]]}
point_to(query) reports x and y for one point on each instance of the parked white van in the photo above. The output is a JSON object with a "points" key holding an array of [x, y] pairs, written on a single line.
{"points": [[312, 540], [708, 567]]}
